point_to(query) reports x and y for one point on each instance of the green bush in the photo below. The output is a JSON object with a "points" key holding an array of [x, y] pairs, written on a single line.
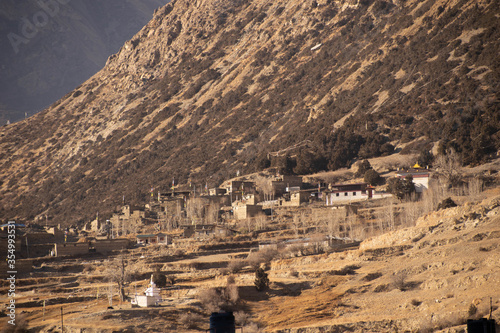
{"points": [[261, 280], [363, 167], [446, 203], [402, 189], [372, 177], [160, 279]]}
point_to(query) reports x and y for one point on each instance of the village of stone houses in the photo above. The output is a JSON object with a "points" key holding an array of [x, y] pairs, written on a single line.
{"points": [[332, 252]]}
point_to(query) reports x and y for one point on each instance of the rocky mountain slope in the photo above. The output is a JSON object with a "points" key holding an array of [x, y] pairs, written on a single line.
{"points": [[50, 47], [209, 87]]}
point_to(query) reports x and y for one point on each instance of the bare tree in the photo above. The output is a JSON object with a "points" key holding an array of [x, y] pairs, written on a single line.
{"points": [[318, 243], [296, 223], [235, 266], [260, 222], [195, 209], [264, 185], [387, 216], [475, 186], [450, 166], [351, 223], [265, 256], [247, 225], [436, 192], [212, 215], [319, 218], [117, 272], [215, 299], [334, 220], [399, 280], [411, 212], [358, 231], [429, 200], [210, 299]]}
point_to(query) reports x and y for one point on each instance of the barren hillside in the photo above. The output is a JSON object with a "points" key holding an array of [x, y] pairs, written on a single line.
{"points": [[417, 279], [209, 87], [430, 277]]}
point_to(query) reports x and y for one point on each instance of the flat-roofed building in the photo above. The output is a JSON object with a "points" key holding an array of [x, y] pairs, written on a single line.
{"points": [[348, 193]]}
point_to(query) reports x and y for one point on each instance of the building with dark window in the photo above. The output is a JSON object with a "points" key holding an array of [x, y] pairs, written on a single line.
{"points": [[347, 193]]}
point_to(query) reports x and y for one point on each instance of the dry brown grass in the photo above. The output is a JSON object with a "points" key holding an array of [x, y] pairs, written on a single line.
{"points": [[235, 266], [21, 324], [399, 280], [191, 320]]}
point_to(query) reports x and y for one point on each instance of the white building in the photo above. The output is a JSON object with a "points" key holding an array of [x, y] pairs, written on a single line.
{"points": [[151, 296], [348, 193], [420, 177]]}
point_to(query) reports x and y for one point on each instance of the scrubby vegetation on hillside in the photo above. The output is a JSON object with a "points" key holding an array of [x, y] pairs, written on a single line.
{"points": [[202, 97]]}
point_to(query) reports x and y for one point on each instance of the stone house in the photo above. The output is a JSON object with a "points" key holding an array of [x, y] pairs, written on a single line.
{"points": [[240, 186], [217, 191], [127, 221], [171, 204], [159, 238], [236, 190], [71, 249], [299, 197], [243, 211], [220, 200], [58, 234], [198, 230], [109, 245], [33, 238], [94, 226], [99, 246], [221, 231], [295, 198], [284, 183], [250, 199]]}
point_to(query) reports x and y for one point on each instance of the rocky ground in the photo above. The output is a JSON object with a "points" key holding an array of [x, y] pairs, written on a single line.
{"points": [[432, 276]]}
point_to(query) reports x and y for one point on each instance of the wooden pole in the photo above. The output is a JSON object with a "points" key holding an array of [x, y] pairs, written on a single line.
{"points": [[62, 322]]}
